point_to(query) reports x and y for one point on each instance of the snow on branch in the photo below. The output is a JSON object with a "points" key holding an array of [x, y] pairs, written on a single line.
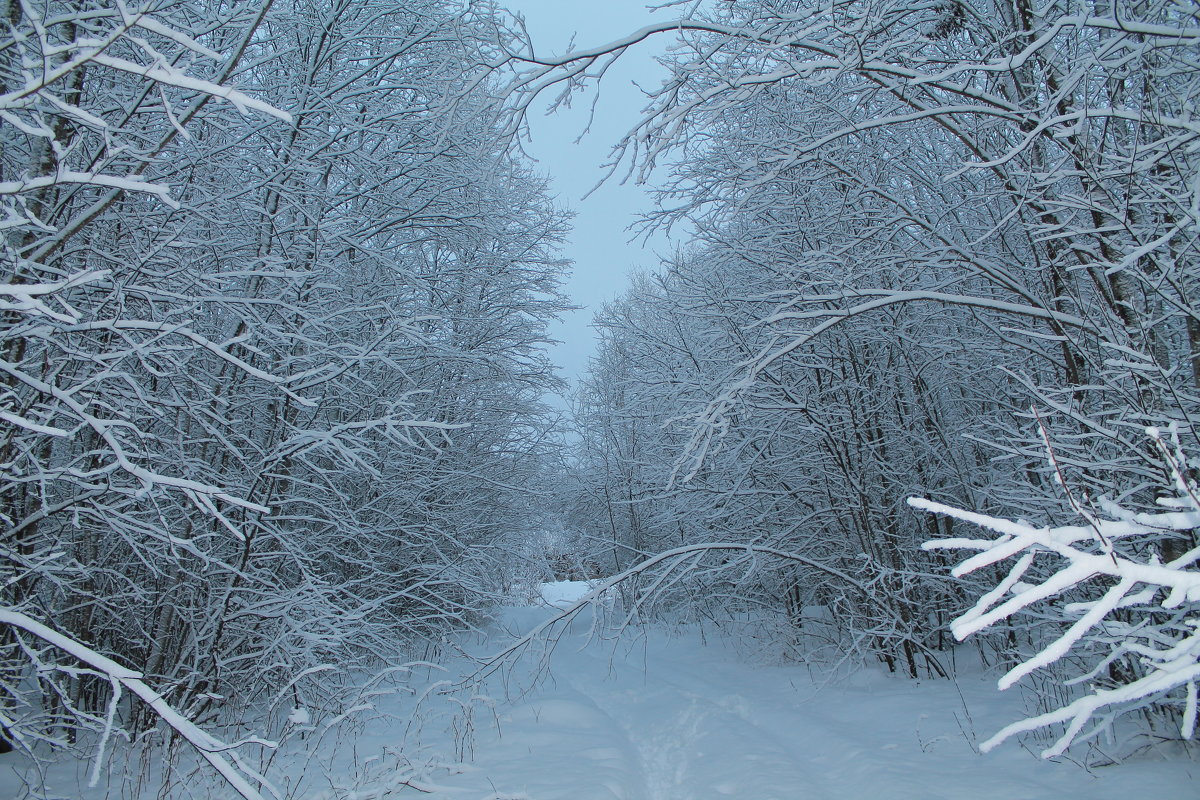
{"points": [[165, 74], [1115, 563], [208, 746], [26, 297], [64, 176], [30, 101], [713, 423]]}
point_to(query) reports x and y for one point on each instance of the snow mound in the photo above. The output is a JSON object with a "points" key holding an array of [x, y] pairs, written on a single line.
{"points": [[564, 594]]}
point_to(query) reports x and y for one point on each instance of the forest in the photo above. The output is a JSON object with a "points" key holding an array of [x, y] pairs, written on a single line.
{"points": [[918, 391]]}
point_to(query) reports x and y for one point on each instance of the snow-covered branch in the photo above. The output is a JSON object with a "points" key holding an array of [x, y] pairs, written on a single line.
{"points": [[1145, 608], [209, 747]]}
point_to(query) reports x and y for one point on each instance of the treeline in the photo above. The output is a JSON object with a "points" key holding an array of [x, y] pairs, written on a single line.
{"points": [[274, 299], [942, 250]]}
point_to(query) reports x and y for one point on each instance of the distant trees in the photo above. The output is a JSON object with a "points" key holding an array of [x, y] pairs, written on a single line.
{"points": [[272, 366], [925, 240]]}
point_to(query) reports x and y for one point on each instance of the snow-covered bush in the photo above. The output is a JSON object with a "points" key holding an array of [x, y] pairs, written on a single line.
{"points": [[1126, 587]]}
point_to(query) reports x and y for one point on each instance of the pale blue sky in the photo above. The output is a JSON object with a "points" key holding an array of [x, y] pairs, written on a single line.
{"points": [[599, 245]]}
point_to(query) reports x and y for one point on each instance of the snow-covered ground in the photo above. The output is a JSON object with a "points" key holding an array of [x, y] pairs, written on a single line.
{"points": [[662, 715], [668, 717]]}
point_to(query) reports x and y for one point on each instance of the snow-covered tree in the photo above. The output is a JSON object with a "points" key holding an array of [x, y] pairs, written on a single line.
{"points": [[272, 377], [934, 216], [93, 97]]}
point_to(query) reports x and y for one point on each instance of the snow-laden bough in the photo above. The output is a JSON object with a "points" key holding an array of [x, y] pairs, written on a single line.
{"points": [[1163, 636]]}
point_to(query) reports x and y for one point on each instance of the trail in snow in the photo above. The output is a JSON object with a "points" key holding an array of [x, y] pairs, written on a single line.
{"points": [[668, 718]]}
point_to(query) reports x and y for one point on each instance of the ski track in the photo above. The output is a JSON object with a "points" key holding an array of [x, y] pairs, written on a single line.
{"points": [[690, 745]]}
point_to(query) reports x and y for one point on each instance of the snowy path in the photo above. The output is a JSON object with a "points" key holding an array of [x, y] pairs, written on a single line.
{"points": [[671, 719], [603, 735]]}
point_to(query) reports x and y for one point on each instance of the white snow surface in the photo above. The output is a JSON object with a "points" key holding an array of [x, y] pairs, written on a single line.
{"points": [[674, 715], [563, 594], [680, 714]]}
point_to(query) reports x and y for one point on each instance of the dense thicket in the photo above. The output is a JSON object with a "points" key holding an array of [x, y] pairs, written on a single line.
{"points": [[938, 249], [271, 356]]}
